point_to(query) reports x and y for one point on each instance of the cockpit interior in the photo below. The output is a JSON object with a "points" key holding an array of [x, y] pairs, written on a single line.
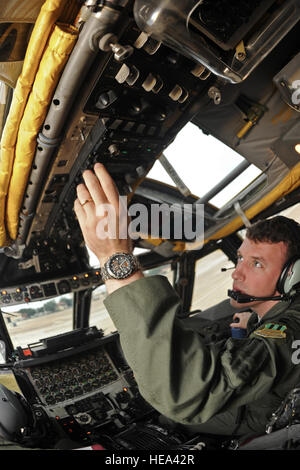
{"points": [[118, 82]]}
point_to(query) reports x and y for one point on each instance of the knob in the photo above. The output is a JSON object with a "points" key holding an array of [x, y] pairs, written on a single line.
{"points": [[83, 418], [109, 42], [127, 74], [121, 52], [176, 93], [106, 98], [149, 83], [215, 94], [113, 150]]}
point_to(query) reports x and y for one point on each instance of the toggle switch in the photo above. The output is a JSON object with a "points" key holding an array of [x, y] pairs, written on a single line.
{"points": [[109, 42]]}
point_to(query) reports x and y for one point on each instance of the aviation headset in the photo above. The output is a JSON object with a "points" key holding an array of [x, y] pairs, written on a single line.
{"points": [[290, 274], [289, 279]]}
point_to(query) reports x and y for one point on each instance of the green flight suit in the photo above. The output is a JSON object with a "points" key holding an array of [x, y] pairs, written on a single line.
{"points": [[199, 384]]}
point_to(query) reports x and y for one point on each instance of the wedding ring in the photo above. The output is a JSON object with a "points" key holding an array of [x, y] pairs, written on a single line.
{"points": [[86, 201]]}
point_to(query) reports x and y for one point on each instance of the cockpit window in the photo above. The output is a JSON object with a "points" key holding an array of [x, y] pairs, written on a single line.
{"points": [[211, 162], [211, 283], [98, 313], [29, 323]]}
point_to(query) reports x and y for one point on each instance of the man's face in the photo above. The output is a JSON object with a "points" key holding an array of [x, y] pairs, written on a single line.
{"points": [[258, 268]]}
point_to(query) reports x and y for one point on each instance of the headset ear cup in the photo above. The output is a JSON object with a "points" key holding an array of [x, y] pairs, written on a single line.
{"points": [[289, 277], [282, 277]]}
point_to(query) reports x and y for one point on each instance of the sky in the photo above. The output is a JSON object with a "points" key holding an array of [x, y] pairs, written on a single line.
{"points": [[202, 161]]}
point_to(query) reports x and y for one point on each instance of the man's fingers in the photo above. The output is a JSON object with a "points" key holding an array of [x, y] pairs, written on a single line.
{"points": [[85, 199], [94, 187], [79, 211], [97, 191], [83, 194], [107, 183]]}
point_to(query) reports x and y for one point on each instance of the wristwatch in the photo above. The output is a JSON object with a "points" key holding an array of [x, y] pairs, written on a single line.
{"points": [[120, 266]]}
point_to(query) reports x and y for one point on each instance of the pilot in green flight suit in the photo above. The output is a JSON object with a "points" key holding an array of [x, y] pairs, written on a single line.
{"points": [[192, 383], [185, 379]]}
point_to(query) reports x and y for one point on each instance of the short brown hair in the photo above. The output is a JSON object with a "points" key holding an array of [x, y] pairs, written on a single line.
{"points": [[275, 230]]}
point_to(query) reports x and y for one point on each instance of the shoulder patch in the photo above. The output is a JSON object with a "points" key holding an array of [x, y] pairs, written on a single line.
{"points": [[271, 330]]}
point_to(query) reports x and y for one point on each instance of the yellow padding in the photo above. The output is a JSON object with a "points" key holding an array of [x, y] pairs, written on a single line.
{"points": [[177, 245], [49, 14], [53, 62]]}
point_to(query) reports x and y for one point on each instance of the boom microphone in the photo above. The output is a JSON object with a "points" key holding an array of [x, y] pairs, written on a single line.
{"points": [[245, 298]]}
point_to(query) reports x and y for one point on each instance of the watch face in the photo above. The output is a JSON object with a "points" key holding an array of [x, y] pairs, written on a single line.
{"points": [[120, 266]]}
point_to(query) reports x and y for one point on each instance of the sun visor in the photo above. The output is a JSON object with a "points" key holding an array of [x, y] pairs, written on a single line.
{"points": [[25, 11]]}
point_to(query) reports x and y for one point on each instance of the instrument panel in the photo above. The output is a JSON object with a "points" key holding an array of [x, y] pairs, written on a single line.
{"points": [[83, 389], [45, 290], [63, 379]]}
